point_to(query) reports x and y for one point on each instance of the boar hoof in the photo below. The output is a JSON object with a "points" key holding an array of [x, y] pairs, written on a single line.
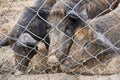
{"points": [[18, 73], [64, 68], [53, 61]]}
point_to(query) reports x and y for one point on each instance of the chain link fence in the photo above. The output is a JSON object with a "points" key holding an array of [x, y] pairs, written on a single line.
{"points": [[60, 36]]}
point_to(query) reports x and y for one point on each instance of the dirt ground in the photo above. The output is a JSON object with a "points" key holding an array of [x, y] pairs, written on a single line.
{"points": [[10, 14], [8, 17]]}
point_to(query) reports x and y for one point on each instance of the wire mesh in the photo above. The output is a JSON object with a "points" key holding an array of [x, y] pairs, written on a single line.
{"points": [[56, 36]]}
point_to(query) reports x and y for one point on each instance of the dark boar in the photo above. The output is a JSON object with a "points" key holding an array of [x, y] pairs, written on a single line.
{"points": [[95, 44], [64, 16], [61, 26], [89, 9], [30, 22]]}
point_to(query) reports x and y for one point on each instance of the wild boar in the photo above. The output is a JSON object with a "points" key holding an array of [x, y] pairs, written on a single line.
{"points": [[67, 14], [95, 44]]}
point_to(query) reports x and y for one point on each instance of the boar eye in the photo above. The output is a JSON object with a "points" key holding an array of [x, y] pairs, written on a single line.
{"points": [[69, 30], [58, 14]]}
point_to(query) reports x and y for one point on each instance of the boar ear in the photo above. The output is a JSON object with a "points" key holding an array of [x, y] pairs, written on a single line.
{"points": [[44, 13], [72, 15], [78, 13], [82, 12], [26, 40]]}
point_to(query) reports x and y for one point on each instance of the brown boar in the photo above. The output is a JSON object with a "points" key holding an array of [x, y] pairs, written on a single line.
{"points": [[64, 16], [95, 46]]}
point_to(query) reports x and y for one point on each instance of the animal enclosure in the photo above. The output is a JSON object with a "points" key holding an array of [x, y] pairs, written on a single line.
{"points": [[75, 37]]}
